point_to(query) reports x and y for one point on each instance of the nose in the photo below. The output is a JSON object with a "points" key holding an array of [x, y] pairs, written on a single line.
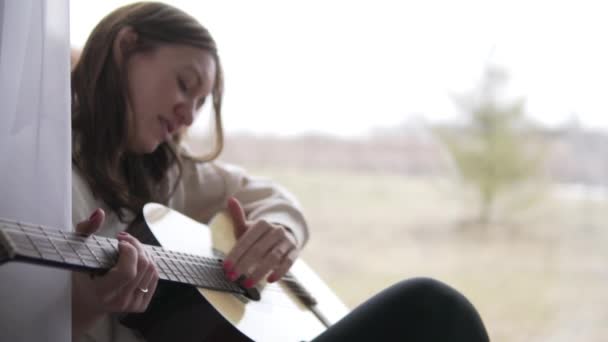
{"points": [[184, 113]]}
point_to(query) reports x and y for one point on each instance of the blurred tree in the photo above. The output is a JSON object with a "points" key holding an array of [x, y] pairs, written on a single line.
{"points": [[493, 150]]}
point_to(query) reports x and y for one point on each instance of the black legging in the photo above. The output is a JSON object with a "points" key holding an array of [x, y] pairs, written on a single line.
{"points": [[417, 310]]}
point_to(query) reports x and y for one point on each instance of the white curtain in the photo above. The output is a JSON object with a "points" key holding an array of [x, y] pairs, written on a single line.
{"points": [[35, 151]]}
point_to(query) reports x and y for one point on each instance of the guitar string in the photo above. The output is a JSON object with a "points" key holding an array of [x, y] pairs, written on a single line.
{"points": [[270, 289], [195, 260]]}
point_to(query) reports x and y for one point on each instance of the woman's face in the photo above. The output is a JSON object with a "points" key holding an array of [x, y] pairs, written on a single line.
{"points": [[167, 87]]}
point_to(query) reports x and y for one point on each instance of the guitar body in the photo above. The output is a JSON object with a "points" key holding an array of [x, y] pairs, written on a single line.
{"points": [[187, 313]]}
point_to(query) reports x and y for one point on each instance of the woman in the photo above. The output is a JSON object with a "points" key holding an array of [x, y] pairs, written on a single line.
{"points": [[143, 74]]}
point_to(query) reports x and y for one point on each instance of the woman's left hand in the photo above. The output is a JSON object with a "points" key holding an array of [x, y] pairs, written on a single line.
{"points": [[262, 247]]}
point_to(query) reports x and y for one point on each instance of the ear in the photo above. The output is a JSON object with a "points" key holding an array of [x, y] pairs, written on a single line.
{"points": [[123, 44]]}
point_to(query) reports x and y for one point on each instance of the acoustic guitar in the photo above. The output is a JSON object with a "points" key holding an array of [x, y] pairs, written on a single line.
{"points": [[194, 301]]}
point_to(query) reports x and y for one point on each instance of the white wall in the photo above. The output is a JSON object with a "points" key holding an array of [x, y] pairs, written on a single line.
{"points": [[35, 158]]}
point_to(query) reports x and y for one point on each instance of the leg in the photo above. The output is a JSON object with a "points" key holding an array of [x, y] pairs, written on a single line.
{"points": [[419, 309]]}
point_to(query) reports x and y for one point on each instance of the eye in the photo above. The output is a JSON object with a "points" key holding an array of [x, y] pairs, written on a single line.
{"points": [[200, 103], [182, 85]]}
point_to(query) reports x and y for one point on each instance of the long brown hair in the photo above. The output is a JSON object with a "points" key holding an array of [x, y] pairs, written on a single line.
{"points": [[99, 100]]}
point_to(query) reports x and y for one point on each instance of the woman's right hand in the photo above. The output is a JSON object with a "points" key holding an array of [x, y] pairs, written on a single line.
{"points": [[126, 287]]}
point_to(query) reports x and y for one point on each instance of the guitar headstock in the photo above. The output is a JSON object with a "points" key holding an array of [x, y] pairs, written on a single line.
{"points": [[7, 249], [3, 255]]}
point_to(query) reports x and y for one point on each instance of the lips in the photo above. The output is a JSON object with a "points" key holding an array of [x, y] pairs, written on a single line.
{"points": [[168, 126]]}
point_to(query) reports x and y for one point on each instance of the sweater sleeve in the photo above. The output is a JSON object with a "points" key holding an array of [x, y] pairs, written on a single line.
{"points": [[205, 188]]}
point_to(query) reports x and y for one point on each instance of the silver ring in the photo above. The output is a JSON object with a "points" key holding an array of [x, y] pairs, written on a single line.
{"points": [[145, 290]]}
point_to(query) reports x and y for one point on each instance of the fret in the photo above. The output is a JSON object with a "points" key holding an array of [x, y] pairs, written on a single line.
{"points": [[182, 278], [186, 271], [173, 265], [98, 250], [160, 263], [173, 276], [192, 270], [201, 271], [210, 275], [46, 249], [180, 266], [179, 262], [26, 247], [154, 255], [196, 270], [170, 274], [30, 240], [75, 250], [154, 249], [101, 255], [31, 253], [110, 257], [68, 259], [113, 244], [21, 244], [191, 258], [61, 246], [73, 261], [52, 257], [21, 239], [192, 274], [99, 262], [43, 245], [214, 278]]}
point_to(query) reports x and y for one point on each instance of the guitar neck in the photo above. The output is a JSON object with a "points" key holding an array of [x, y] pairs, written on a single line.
{"points": [[96, 254]]}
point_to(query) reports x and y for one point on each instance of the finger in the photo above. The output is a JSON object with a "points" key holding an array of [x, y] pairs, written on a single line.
{"points": [[148, 282], [123, 272], [254, 257], [284, 267], [124, 236], [144, 263], [271, 261], [128, 300], [239, 219], [143, 260], [152, 286], [244, 244], [150, 277], [92, 224]]}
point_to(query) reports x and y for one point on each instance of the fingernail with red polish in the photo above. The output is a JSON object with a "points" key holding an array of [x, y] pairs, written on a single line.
{"points": [[248, 283], [94, 215], [232, 276], [227, 265], [272, 279]]}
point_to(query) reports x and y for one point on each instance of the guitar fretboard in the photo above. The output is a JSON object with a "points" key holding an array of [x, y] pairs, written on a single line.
{"points": [[38, 244], [76, 251]]}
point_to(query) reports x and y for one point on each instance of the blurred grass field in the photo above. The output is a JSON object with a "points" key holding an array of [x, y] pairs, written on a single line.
{"points": [[539, 276]]}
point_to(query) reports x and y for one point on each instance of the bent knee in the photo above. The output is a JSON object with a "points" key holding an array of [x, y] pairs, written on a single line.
{"points": [[428, 288]]}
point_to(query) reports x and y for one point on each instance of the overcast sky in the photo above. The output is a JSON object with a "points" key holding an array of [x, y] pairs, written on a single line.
{"points": [[343, 67]]}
